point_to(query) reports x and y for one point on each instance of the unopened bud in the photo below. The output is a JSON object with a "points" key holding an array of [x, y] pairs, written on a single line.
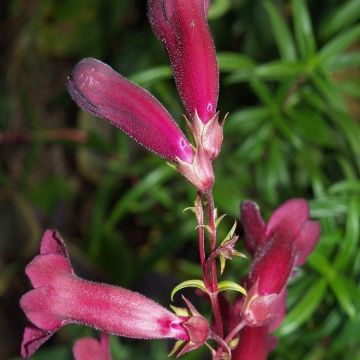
{"points": [[209, 135]]}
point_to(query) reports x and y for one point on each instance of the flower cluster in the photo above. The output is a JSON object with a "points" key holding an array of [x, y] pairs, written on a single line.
{"points": [[100, 90], [59, 297]]}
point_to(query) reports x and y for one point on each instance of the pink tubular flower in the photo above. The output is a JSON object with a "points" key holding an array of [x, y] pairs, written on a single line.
{"points": [[89, 348], [290, 222], [60, 297], [100, 90], [285, 242], [254, 344], [182, 27]]}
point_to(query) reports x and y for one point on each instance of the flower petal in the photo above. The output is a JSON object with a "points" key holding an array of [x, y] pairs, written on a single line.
{"points": [[253, 344], [100, 90], [288, 219], [33, 338], [272, 266], [306, 241], [89, 348], [182, 27], [254, 226], [60, 298]]}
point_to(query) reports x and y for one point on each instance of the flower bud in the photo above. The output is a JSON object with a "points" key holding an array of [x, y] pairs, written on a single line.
{"points": [[208, 135], [182, 27], [100, 90]]}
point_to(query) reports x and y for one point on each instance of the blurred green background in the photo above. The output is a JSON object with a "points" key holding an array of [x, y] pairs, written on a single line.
{"points": [[290, 81]]}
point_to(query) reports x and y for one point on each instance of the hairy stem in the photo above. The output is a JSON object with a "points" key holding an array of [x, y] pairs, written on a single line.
{"points": [[201, 233], [213, 288], [229, 337]]}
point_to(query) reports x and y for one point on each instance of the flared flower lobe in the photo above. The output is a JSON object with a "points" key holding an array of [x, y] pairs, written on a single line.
{"points": [[284, 243], [60, 297]]}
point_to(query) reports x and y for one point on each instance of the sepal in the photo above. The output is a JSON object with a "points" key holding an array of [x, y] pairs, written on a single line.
{"points": [[209, 135], [197, 328], [200, 172], [259, 310]]}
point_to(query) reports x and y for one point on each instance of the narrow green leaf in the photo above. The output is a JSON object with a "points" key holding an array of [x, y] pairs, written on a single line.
{"points": [[335, 281], [176, 347], [304, 308], [230, 285], [328, 207], [344, 61], [329, 91], [349, 244], [231, 61], [283, 37], [342, 16], [102, 199], [180, 311], [275, 70], [351, 130], [219, 219], [350, 88], [338, 44], [278, 70], [247, 119], [222, 264], [254, 146], [312, 126], [230, 233], [191, 208], [343, 296], [303, 28], [154, 178], [195, 283], [218, 8], [346, 186], [150, 76]]}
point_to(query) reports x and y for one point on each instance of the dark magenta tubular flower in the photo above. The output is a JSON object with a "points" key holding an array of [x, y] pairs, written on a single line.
{"points": [[89, 348], [183, 29], [60, 297], [100, 90], [254, 344], [285, 242], [272, 267], [290, 223]]}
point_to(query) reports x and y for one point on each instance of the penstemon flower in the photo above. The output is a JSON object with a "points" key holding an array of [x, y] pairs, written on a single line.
{"points": [[60, 297], [285, 242]]}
